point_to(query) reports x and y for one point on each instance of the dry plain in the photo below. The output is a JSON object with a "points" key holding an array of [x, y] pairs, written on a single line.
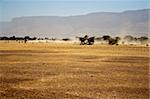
{"points": [[72, 71]]}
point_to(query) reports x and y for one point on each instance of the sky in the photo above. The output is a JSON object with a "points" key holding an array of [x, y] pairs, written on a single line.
{"points": [[18, 8]]}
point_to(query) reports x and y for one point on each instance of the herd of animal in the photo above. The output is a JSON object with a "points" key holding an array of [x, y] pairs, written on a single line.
{"points": [[86, 40]]}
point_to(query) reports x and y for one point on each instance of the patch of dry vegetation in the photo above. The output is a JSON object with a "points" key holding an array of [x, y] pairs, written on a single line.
{"points": [[54, 70]]}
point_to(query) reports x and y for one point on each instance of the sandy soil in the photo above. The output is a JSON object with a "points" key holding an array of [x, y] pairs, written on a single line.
{"points": [[71, 71]]}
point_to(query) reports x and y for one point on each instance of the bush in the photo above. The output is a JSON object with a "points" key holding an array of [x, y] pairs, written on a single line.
{"points": [[66, 39]]}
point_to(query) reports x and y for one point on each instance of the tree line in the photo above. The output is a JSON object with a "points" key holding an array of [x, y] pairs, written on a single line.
{"points": [[107, 38], [17, 38]]}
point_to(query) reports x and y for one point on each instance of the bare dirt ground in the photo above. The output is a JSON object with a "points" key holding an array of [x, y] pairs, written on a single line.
{"points": [[71, 71]]}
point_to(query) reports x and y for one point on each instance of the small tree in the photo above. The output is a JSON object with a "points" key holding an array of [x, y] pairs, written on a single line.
{"points": [[106, 37], [27, 37], [46, 38], [99, 38], [12, 38], [129, 38], [113, 41], [118, 38], [66, 39], [143, 39], [34, 38]]}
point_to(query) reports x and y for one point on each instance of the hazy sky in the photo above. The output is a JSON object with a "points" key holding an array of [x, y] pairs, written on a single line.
{"points": [[17, 8]]}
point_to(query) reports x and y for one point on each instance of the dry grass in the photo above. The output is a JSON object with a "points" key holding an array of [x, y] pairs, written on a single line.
{"points": [[57, 71]]}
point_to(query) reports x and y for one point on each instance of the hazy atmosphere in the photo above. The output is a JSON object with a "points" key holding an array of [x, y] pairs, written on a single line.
{"points": [[64, 18], [74, 49]]}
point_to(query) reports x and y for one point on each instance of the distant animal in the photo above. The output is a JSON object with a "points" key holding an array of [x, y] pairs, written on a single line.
{"points": [[91, 40], [85, 40], [82, 40]]}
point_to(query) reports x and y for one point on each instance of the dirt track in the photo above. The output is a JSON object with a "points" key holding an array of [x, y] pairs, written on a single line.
{"points": [[57, 71]]}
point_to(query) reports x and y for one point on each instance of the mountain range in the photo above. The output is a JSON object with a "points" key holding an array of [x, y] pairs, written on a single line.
{"points": [[132, 22]]}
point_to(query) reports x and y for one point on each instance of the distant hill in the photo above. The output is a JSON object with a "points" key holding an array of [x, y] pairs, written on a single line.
{"points": [[134, 22]]}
